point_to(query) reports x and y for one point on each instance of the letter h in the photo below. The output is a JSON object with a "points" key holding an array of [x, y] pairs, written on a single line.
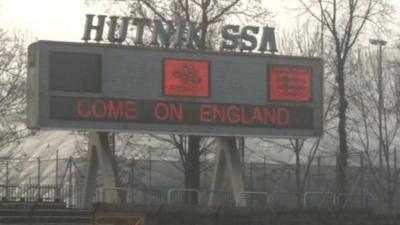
{"points": [[98, 28]]}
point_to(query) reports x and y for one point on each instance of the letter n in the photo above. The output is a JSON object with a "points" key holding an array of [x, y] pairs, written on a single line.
{"points": [[159, 32]]}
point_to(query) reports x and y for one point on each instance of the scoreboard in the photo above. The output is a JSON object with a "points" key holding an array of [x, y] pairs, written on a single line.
{"points": [[119, 88]]}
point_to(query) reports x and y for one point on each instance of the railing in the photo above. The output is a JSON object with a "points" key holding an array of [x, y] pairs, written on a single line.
{"points": [[220, 198], [10, 192], [181, 196], [113, 194], [355, 200], [323, 199], [29, 192], [147, 196], [261, 200], [285, 199]]}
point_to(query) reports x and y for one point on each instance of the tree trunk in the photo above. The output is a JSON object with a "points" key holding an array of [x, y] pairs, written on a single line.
{"points": [[298, 178], [192, 169], [341, 159], [299, 186]]}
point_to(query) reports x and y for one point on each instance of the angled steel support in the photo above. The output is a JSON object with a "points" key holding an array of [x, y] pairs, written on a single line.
{"points": [[100, 157], [227, 157]]}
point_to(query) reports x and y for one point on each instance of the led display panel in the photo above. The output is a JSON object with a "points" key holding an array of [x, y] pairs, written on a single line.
{"points": [[189, 78], [290, 83], [104, 87]]}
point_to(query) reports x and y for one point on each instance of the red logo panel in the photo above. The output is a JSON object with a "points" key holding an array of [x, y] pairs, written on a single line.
{"points": [[186, 78], [290, 83]]}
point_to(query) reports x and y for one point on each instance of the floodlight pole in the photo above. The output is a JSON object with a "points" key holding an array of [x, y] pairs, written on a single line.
{"points": [[380, 43]]}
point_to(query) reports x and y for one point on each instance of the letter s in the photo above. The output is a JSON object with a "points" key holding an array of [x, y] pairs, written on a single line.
{"points": [[249, 38], [228, 35]]}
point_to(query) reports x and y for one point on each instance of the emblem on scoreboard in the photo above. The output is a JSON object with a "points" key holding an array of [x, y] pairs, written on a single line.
{"points": [[188, 75], [290, 83], [186, 78]]}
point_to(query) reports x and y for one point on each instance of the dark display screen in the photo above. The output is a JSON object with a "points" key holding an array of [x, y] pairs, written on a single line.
{"points": [[185, 113], [78, 72]]}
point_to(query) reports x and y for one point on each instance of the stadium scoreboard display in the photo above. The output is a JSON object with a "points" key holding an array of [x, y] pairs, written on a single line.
{"points": [[118, 88]]}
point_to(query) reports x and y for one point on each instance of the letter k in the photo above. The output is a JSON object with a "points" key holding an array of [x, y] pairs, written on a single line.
{"points": [[193, 35]]}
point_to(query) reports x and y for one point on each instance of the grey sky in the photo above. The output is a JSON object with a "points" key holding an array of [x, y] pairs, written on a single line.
{"points": [[64, 20]]}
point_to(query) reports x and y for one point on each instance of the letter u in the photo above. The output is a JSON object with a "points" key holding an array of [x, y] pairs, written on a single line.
{"points": [[123, 29]]}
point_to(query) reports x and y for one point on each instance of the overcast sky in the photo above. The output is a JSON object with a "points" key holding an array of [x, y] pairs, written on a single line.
{"points": [[64, 19]]}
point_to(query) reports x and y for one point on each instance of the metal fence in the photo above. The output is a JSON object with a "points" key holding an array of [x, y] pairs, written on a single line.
{"points": [[149, 182], [181, 196]]}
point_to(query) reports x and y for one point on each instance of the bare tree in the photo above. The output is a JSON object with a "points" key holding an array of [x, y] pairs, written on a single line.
{"points": [[12, 86], [345, 20], [210, 14], [306, 40], [190, 149], [364, 121]]}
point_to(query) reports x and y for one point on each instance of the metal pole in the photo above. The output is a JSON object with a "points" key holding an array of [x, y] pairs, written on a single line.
{"points": [[113, 144], [251, 177], [7, 181], [379, 43], [395, 167], [132, 180], [70, 182], [395, 161], [322, 37], [241, 148], [251, 184], [380, 104], [319, 172], [265, 174], [56, 188], [38, 181], [150, 168], [362, 173]]}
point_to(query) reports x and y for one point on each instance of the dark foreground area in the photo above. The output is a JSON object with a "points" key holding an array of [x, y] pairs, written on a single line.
{"points": [[42, 213]]}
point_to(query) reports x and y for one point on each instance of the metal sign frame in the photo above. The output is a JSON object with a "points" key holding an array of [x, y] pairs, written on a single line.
{"points": [[129, 84]]}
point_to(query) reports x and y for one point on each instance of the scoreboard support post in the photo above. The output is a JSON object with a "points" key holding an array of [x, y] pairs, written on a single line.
{"points": [[100, 157], [228, 157]]}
